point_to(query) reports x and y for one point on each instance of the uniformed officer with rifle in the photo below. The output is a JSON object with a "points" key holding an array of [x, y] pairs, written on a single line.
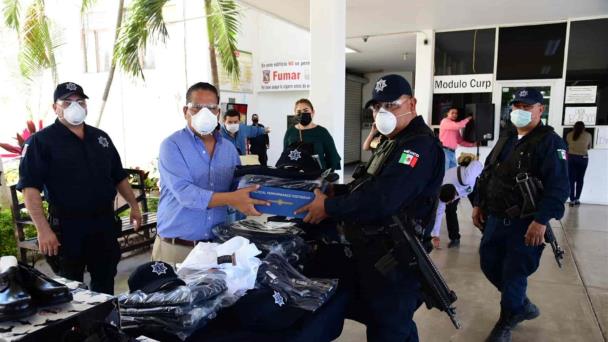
{"points": [[524, 184], [393, 198]]}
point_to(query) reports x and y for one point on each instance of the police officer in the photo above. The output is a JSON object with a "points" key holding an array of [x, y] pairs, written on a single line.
{"points": [[515, 225], [79, 170], [404, 175]]}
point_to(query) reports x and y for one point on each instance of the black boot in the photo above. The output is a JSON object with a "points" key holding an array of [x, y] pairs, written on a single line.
{"points": [[531, 311], [44, 290], [454, 243], [502, 330], [15, 302]]}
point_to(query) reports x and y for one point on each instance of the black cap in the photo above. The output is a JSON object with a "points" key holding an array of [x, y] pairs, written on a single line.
{"points": [[154, 276], [527, 95], [390, 87], [298, 157], [67, 89]]}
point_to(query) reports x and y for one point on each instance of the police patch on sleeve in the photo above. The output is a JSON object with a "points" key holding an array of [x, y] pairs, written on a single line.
{"points": [[409, 158], [561, 154]]}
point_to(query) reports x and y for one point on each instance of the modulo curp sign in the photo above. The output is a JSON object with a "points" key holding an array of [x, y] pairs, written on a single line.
{"points": [[285, 76], [454, 84]]}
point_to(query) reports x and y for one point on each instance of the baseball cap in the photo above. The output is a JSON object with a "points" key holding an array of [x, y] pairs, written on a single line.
{"points": [[154, 276], [527, 95], [67, 89], [390, 87]]}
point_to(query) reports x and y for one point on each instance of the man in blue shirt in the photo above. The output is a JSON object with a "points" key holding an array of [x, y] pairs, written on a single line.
{"points": [[238, 133], [196, 168]]}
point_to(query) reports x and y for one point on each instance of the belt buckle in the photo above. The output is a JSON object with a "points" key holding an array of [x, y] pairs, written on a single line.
{"points": [[506, 221]]}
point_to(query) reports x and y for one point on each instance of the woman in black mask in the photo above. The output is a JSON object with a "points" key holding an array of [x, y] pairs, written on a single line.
{"points": [[308, 132]]}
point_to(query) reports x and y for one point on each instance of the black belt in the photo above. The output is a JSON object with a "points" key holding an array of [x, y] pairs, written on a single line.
{"points": [[447, 148], [181, 242], [64, 213]]}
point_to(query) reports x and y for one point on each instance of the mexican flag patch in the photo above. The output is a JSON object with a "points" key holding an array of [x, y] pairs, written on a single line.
{"points": [[409, 158], [561, 154]]}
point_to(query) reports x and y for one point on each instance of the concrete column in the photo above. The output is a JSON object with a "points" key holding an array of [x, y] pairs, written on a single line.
{"points": [[327, 66], [423, 86]]}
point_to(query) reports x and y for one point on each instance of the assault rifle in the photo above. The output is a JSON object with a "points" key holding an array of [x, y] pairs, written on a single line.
{"points": [[409, 252]]}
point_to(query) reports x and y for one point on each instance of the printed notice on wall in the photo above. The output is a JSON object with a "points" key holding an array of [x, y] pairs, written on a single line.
{"points": [[601, 137], [287, 75], [581, 94], [585, 114]]}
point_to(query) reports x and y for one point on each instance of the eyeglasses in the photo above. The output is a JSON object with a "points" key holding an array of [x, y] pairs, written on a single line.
{"points": [[195, 107], [67, 103], [389, 105]]}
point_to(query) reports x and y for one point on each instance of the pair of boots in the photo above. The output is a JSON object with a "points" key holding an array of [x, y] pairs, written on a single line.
{"points": [[24, 288], [508, 321]]}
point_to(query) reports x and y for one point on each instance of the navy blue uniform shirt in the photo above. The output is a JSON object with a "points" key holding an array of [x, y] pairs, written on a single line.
{"points": [[75, 174], [414, 169], [551, 167]]}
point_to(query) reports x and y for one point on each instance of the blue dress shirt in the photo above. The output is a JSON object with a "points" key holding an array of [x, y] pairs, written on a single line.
{"points": [[240, 138], [188, 178]]}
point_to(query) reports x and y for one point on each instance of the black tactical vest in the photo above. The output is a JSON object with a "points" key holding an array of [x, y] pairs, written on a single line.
{"points": [[383, 153], [500, 192]]}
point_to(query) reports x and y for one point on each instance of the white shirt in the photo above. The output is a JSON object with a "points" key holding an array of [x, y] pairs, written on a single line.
{"points": [[469, 176]]}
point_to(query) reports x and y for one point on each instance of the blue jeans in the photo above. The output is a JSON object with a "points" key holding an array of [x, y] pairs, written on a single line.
{"points": [[450, 158], [506, 261], [577, 165]]}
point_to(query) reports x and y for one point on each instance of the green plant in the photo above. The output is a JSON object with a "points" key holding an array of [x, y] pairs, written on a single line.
{"points": [[37, 43], [8, 246]]}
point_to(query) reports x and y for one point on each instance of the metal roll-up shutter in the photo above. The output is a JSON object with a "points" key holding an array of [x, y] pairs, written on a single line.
{"points": [[352, 120]]}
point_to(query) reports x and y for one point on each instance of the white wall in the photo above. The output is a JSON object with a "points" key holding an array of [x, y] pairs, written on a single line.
{"points": [[275, 40]]}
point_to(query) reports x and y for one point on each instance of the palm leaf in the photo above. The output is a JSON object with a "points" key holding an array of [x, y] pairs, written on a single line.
{"points": [[86, 4], [11, 12], [144, 22], [37, 45], [223, 23]]}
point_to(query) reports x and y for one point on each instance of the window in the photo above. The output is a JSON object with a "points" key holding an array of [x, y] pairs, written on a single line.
{"points": [[531, 52], [443, 102], [588, 66], [98, 44], [465, 52]]}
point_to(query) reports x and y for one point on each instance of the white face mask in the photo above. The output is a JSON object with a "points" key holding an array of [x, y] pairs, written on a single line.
{"points": [[74, 114], [386, 121], [232, 128], [521, 118], [204, 122]]}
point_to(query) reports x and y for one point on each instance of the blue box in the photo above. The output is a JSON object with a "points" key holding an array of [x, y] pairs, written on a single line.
{"points": [[284, 200]]}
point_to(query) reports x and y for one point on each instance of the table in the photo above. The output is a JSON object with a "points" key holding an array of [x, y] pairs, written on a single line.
{"points": [[50, 323]]}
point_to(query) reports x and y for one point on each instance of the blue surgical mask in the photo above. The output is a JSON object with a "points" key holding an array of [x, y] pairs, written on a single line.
{"points": [[521, 118]]}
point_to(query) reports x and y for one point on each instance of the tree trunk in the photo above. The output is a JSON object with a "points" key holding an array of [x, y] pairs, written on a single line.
{"points": [[106, 91], [212, 57]]}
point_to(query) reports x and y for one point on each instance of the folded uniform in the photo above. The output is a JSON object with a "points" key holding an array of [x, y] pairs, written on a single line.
{"points": [[291, 286]]}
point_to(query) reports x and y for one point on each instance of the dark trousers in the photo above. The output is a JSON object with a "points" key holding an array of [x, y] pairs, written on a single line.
{"points": [[384, 303], [262, 156], [506, 261], [85, 246], [451, 219], [577, 166]]}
